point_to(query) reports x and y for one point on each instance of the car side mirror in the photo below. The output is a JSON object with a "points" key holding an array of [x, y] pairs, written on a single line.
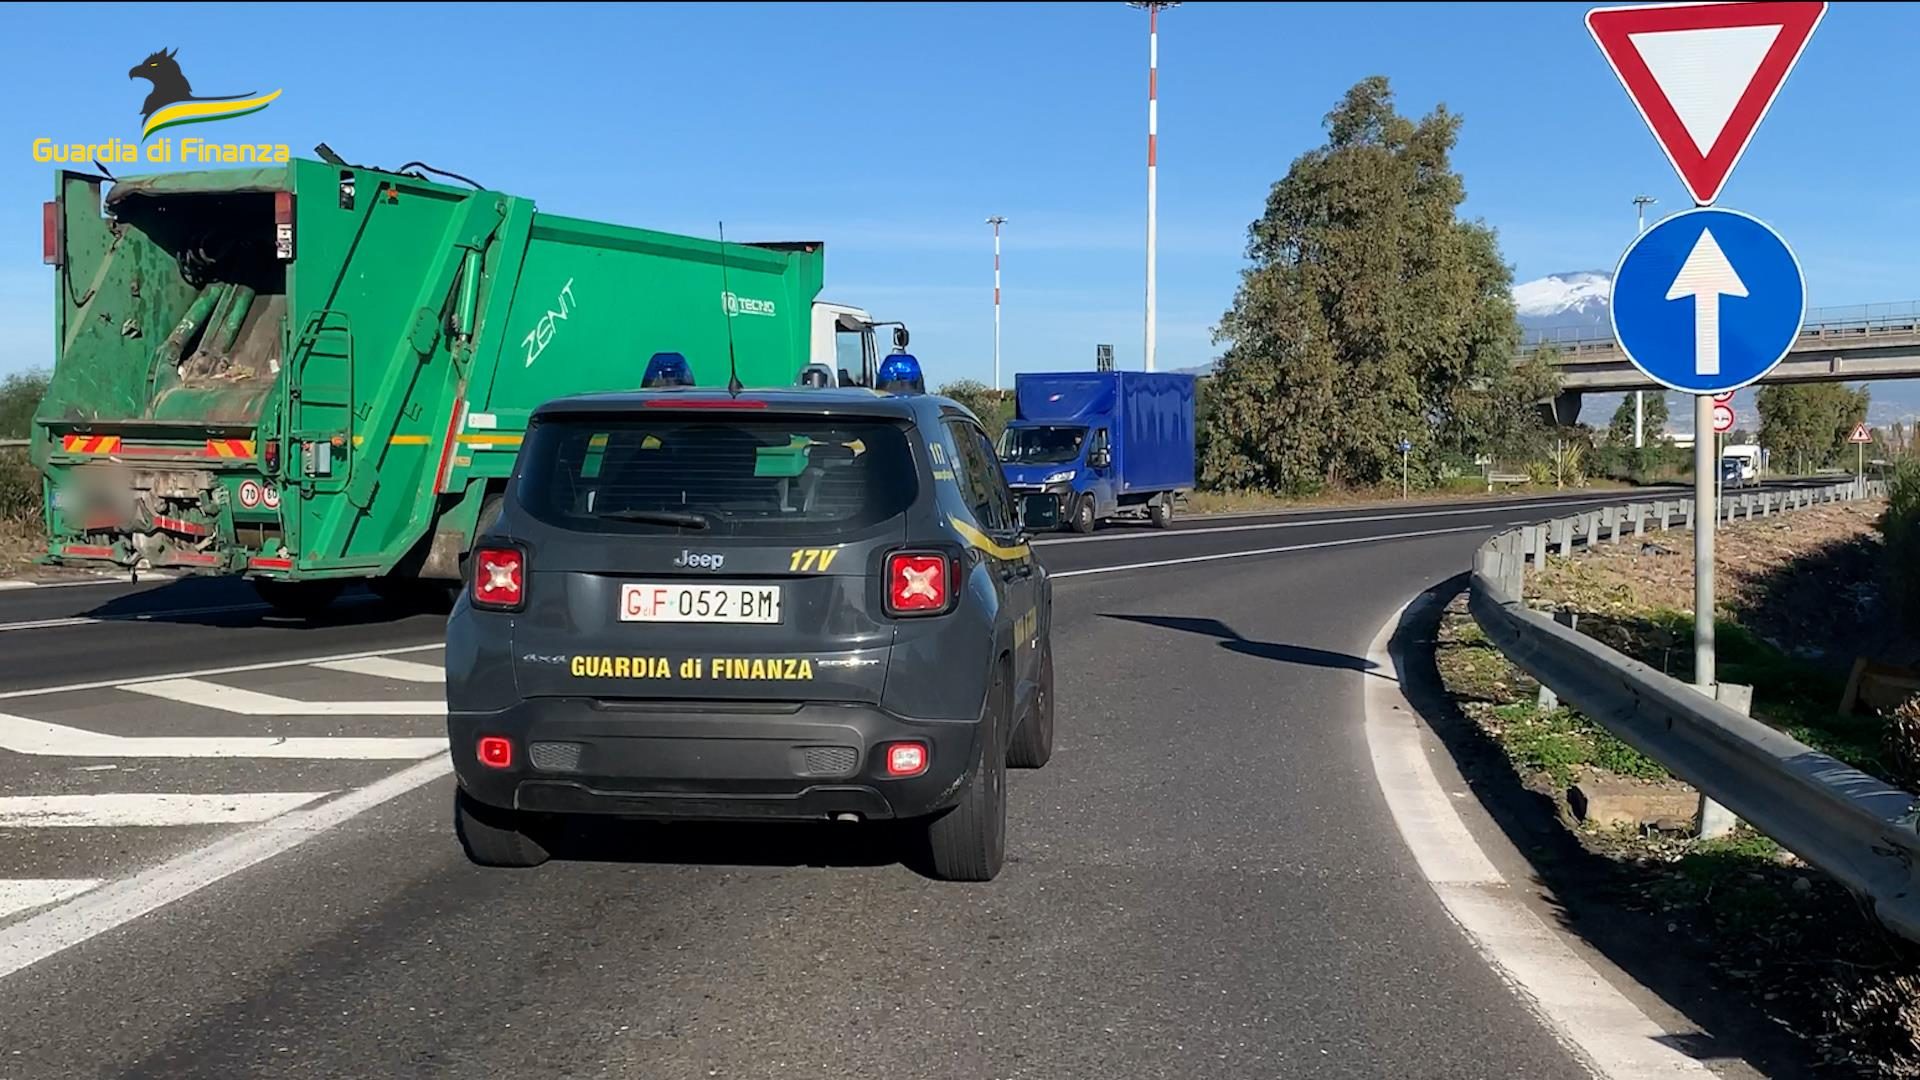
{"points": [[1039, 511], [1100, 459]]}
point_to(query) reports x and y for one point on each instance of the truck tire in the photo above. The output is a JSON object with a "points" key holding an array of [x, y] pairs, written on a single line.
{"points": [[1082, 519], [302, 599], [969, 842], [490, 509], [1160, 511], [492, 836], [1032, 742]]}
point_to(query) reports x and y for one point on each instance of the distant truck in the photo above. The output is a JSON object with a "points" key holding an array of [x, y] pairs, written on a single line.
{"points": [[1108, 444], [1752, 459], [315, 373]]}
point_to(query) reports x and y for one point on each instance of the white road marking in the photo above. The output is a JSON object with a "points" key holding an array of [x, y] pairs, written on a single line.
{"points": [[122, 809], [1354, 519], [234, 669], [5, 585], [1595, 1021], [1268, 551], [22, 894], [15, 583], [381, 667], [233, 699], [37, 737], [37, 937]]}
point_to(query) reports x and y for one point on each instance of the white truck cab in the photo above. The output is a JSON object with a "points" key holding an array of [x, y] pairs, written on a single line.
{"points": [[844, 351], [1752, 460]]}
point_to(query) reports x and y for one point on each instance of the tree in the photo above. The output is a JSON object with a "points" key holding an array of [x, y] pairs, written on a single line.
{"points": [[981, 400], [1804, 426], [1369, 311], [20, 394], [1653, 419]]}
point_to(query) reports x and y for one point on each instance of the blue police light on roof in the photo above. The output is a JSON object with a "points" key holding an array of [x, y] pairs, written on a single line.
{"points": [[667, 369], [900, 374]]}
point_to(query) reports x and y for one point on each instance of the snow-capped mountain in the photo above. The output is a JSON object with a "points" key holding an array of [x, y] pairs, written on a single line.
{"points": [[1573, 300]]}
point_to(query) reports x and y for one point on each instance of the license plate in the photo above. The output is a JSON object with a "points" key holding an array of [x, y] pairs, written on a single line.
{"points": [[643, 602]]}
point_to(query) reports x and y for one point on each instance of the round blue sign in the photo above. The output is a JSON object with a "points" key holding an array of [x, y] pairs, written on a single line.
{"points": [[1708, 300]]}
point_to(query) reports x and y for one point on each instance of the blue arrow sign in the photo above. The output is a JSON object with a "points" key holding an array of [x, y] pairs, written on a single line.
{"points": [[1708, 300]]}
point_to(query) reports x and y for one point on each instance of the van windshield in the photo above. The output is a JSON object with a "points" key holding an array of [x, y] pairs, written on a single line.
{"points": [[721, 476], [1041, 445]]}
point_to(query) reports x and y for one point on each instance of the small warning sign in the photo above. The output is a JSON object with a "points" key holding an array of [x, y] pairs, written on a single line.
{"points": [[1860, 433]]}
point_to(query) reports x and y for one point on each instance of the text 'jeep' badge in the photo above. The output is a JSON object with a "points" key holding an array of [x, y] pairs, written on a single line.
{"points": [[694, 560]]}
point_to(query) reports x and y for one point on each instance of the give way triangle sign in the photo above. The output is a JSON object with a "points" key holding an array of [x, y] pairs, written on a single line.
{"points": [[1704, 75]]}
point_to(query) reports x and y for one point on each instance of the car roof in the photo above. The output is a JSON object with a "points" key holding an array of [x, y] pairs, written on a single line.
{"points": [[826, 402]]}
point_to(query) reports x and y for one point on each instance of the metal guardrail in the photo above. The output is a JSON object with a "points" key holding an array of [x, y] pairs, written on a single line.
{"points": [[1831, 323], [9, 443], [1857, 829]]}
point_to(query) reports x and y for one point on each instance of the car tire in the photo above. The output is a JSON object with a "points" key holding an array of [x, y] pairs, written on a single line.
{"points": [[1082, 520], [969, 842], [1032, 744], [1160, 512], [302, 599], [492, 836]]}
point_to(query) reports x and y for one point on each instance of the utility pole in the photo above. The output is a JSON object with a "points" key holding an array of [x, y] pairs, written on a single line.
{"points": [[1640, 204], [996, 221], [1153, 133]]}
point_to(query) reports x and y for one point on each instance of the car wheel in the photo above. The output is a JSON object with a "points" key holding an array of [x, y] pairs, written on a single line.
{"points": [[303, 599], [969, 842], [1161, 512], [493, 836], [1083, 513], [1032, 742]]}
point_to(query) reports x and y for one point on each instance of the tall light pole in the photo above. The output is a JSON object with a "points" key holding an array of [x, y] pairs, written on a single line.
{"points": [[996, 221], [1153, 132], [1640, 204]]}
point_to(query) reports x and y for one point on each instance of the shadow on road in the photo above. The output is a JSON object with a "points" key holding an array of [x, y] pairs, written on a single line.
{"points": [[776, 844], [1231, 641]]}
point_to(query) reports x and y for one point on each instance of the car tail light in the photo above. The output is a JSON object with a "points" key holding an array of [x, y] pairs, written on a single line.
{"points": [[500, 578], [52, 229], [283, 225], [919, 583], [495, 752], [907, 759]]}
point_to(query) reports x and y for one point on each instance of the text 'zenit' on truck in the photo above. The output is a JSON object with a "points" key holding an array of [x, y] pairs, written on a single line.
{"points": [[315, 373]]}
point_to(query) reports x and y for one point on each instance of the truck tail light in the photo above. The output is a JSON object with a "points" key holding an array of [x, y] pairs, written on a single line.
{"points": [[919, 583], [53, 248], [270, 456], [500, 578], [906, 759], [283, 225]]}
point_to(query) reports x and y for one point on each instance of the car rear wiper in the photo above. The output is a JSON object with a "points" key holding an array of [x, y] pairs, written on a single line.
{"points": [[660, 517]]}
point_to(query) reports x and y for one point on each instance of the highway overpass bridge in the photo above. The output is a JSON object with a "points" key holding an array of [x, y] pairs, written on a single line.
{"points": [[1841, 344]]}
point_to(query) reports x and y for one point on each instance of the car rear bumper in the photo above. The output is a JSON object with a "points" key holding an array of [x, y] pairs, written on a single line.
{"points": [[692, 760]]}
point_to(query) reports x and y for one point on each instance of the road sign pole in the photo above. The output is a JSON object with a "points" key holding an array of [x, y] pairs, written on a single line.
{"points": [[1706, 514]]}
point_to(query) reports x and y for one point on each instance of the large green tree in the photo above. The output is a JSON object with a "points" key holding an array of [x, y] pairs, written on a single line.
{"points": [[20, 394], [1805, 425], [1653, 419], [1368, 312]]}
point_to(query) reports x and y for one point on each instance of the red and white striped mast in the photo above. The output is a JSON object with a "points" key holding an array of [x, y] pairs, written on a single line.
{"points": [[996, 221], [1153, 133]]}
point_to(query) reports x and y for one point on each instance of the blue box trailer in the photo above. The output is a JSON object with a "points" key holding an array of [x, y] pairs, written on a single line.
{"points": [[1108, 444]]}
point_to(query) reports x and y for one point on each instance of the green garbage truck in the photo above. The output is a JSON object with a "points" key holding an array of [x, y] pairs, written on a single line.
{"points": [[315, 373]]}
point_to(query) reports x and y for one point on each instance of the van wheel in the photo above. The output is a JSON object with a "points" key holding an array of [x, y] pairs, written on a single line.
{"points": [[969, 842], [1160, 512], [1032, 743], [303, 599], [1082, 519], [492, 836]]}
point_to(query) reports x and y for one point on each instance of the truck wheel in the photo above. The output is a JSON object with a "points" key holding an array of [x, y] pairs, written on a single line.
{"points": [[303, 599], [1160, 512], [492, 836], [490, 509], [969, 842], [1082, 519], [1032, 743]]}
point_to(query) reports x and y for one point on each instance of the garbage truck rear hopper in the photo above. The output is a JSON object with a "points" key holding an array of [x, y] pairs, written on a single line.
{"points": [[312, 374]]}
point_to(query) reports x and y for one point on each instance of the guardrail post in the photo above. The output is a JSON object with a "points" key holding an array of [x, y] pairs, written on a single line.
{"points": [[1638, 513], [1686, 513], [1591, 527], [1540, 546], [1665, 510], [1746, 504], [1547, 699], [1563, 536], [1608, 527], [1715, 820]]}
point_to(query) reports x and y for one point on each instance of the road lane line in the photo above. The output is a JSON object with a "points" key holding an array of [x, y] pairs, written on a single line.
{"points": [[232, 669], [381, 667], [233, 699], [37, 937], [42, 739], [1349, 542], [124, 809], [22, 894], [6, 585], [1598, 1024], [1355, 519]]}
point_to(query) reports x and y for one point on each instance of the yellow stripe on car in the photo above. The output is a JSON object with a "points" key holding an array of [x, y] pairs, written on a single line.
{"points": [[986, 543]]}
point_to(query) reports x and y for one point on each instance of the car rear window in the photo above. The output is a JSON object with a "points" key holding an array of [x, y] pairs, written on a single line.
{"points": [[722, 476]]}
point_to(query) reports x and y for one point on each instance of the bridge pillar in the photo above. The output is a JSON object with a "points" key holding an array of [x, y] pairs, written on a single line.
{"points": [[1564, 409]]}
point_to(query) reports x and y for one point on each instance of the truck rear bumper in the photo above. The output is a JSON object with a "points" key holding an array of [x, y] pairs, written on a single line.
{"points": [[658, 760]]}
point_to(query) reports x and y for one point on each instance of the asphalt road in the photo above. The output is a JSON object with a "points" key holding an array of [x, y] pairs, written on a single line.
{"points": [[1204, 882]]}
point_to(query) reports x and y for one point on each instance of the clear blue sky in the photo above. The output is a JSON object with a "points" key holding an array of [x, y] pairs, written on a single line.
{"points": [[892, 131]]}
